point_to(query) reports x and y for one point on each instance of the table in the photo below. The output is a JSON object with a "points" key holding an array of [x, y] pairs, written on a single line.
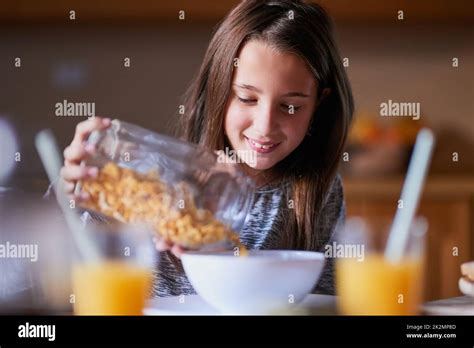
{"points": [[462, 305], [312, 305], [194, 305]]}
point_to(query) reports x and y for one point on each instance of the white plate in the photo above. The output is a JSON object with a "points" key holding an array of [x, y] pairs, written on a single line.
{"points": [[463, 305]]}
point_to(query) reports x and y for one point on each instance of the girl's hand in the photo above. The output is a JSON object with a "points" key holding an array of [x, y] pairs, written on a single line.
{"points": [[77, 151], [163, 245]]}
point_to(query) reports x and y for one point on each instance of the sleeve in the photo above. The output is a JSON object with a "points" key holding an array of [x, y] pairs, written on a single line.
{"points": [[331, 218]]}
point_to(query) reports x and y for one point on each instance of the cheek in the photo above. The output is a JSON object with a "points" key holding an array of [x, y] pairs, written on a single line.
{"points": [[295, 131], [236, 120]]}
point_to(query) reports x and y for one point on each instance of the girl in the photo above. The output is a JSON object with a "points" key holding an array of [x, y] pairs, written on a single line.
{"points": [[272, 82]]}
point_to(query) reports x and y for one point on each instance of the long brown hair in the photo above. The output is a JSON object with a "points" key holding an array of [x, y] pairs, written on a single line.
{"points": [[303, 29]]}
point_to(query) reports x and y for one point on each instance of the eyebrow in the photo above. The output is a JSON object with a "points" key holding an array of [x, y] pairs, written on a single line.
{"points": [[253, 88]]}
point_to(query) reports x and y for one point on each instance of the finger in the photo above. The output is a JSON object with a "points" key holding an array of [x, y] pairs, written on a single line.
{"points": [[82, 197], [78, 198], [74, 173], [75, 153], [67, 186], [162, 245], [177, 251], [83, 129]]}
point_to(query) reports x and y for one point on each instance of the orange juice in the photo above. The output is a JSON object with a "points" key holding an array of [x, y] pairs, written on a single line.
{"points": [[377, 287], [110, 288]]}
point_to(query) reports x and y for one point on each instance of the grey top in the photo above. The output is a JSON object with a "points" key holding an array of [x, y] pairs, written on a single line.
{"points": [[262, 231]]}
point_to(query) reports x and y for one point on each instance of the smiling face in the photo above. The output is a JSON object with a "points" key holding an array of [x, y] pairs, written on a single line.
{"points": [[272, 100]]}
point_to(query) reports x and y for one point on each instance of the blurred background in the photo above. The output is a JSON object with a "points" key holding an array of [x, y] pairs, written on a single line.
{"points": [[426, 57]]}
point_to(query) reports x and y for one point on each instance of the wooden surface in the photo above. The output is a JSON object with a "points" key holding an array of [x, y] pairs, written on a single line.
{"points": [[436, 186]]}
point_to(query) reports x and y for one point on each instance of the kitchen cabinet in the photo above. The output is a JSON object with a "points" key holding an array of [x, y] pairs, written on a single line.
{"points": [[447, 203]]}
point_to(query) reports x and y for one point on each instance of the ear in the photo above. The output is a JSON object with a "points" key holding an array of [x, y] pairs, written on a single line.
{"points": [[325, 93]]}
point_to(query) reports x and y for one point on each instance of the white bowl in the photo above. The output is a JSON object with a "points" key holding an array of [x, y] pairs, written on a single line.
{"points": [[265, 281]]}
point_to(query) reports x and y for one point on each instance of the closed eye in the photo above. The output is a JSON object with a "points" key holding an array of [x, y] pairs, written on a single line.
{"points": [[290, 108], [247, 101]]}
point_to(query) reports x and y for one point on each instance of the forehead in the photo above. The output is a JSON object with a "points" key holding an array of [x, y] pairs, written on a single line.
{"points": [[262, 65]]}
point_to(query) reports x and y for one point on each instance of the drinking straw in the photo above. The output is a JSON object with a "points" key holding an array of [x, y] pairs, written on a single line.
{"points": [[410, 196], [51, 158]]}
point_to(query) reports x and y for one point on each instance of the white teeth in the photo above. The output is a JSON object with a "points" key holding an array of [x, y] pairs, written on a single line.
{"points": [[261, 146]]}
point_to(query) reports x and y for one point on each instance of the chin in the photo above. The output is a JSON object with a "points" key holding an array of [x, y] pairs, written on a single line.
{"points": [[262, 165]]}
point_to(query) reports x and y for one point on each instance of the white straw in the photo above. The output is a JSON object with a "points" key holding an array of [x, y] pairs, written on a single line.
{"points": [[410, 197], [51, 158]]}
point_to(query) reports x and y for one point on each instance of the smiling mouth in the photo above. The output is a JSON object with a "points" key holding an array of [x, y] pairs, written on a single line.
{"points": [[262, 147]]}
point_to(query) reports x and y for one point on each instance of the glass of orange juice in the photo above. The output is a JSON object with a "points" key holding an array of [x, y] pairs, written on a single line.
{"points": [[120, 282], [369, 284]]}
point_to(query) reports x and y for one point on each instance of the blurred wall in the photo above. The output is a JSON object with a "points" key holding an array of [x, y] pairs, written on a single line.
{"points": [[84, 63]]}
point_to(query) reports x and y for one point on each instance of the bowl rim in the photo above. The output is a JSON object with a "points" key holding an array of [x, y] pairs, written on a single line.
{"points": [[275, 255]]}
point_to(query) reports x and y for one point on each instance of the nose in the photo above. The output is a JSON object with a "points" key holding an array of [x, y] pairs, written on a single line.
{"points": [[265, 120]]}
